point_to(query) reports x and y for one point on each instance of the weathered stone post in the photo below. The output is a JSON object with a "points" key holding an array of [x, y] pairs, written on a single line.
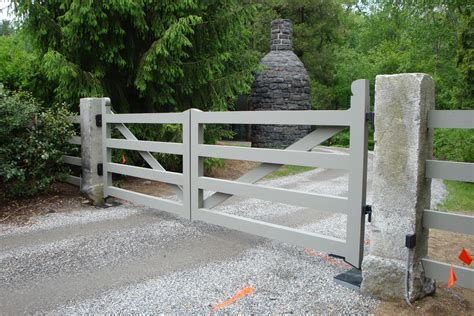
{"points": [[91, 148], [401, 191]]}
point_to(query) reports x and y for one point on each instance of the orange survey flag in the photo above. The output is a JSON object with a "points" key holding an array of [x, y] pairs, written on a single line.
{"points": [[465, 257], [452, 277], [242, 293], [124, 161]]}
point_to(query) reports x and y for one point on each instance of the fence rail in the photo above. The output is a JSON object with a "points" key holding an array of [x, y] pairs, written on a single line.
{"points": [[451, 119], [449, 170], [71, 160]]}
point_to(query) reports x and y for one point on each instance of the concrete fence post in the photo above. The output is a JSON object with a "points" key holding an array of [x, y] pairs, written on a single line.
{"points": [[401, 190], [91, 148]]}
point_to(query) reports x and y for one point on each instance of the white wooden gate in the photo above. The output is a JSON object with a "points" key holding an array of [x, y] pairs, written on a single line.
{"points": [[190, 184]]}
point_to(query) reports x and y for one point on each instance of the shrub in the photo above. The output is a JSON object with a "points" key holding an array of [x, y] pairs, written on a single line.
{"points": [[32, 142], [454, 144]]}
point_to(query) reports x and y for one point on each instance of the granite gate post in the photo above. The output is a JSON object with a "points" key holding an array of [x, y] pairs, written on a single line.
{"points": [[401, 190], [91, 148]]}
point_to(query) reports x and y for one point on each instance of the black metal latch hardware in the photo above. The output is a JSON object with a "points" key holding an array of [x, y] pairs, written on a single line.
{"points": [[100, 169], [410, 241], [370, 117], [368, 211], [98, 120]]}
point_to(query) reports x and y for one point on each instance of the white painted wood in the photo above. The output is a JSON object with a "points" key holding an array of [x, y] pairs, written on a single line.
{"points": [[327, 203], [451, 119], [320, 118], [74, 180], [277, 156], [146, 173], [440, 271], [75, 140], [71, 160], [456, 223], [147, 118], [143, 145], [450, 170], [146, 200], [268, 230]]}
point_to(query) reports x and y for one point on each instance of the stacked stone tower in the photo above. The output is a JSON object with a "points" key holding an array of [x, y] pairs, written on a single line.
{"points": [[283, 85]]}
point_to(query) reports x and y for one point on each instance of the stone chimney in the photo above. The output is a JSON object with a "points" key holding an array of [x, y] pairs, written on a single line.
{"points": [[283, 85], [282, 35]]}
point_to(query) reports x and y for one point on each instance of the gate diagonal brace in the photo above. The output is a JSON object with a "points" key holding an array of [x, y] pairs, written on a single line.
{"points": [[307, 143], [148, 157]]}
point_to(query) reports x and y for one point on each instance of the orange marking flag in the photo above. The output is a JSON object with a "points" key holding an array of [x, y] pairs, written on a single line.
{"points": [[465, 257], [124, 161], [241, 294], [452, 277]]}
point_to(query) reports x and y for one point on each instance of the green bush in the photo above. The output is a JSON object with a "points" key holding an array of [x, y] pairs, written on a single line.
{"points": [[32, 142], [454, 144]]}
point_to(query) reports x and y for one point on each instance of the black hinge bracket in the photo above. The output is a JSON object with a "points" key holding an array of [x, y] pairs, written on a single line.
{"points": [[410, 241], [368, 211], [370, 117], [98, 120], [100, 169]]}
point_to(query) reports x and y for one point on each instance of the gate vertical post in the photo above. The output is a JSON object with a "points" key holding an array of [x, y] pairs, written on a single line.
{"points": [[401, 191], [197, 163], [106, 152], [91, 148], [360, 105], [187, 163]]}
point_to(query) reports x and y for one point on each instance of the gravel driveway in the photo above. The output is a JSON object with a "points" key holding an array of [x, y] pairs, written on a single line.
{"points": [[134, 260]]}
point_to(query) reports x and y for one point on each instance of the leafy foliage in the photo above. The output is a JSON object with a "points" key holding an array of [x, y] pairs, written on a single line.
{"points": [[32, 142], [16, 63], [454, 144], [146, 55]]}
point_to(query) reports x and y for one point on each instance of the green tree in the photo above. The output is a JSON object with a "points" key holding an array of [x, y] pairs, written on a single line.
{"points": [[146, 55]]}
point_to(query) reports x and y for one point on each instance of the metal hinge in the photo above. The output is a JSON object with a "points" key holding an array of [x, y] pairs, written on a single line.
{"points": [[368, 211], [410, 241], [98, 120], [100, 169], [370, 117]]}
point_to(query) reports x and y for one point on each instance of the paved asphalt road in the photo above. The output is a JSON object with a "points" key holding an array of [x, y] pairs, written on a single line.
{"points": [[132, 259]]}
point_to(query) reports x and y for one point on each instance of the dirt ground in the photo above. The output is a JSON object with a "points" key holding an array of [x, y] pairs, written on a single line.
{"points": [[60, 197], [443, 246]]}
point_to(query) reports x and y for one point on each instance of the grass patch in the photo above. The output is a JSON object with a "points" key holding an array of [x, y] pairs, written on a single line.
{"points": [[288, 170], [460, 197]]}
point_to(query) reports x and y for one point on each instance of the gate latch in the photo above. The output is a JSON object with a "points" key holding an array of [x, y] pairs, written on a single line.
{"points": [[368, 211]]}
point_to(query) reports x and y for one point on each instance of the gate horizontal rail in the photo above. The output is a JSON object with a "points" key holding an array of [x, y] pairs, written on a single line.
{"points": [[325, 203], [72, 160], [146, 173], [143, 145], [449, 170], [273, 231], [276, 156], [322, 118]]}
